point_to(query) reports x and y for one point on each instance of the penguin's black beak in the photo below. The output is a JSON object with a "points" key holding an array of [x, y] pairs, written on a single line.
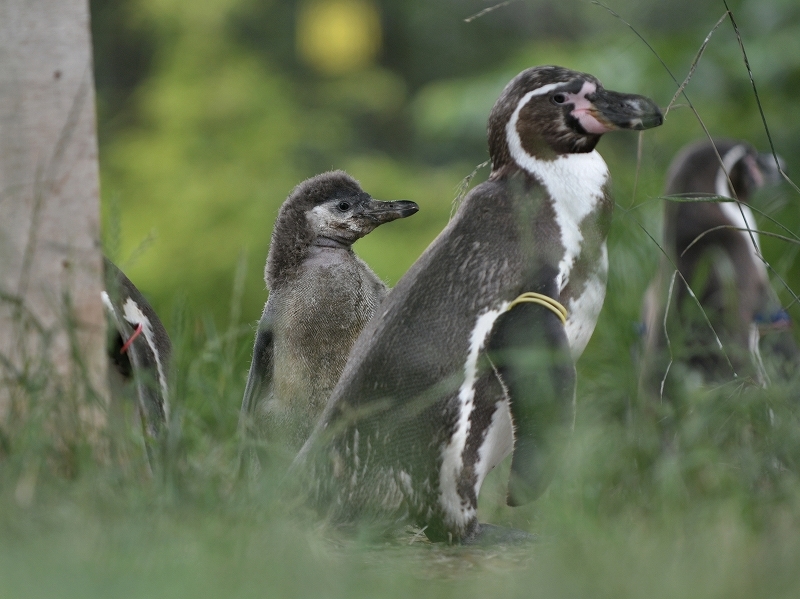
{"points": [[624, 111], [384, 212]]}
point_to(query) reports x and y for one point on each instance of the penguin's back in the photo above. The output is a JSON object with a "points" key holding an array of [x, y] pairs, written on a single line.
{"points": [[417, 336]]}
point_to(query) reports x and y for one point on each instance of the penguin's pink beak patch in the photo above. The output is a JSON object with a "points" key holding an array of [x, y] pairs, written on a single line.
{"points": [[587, 114], [600, 110]]}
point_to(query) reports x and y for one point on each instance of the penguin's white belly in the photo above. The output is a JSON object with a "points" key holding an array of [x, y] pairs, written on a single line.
{"points": [[497, 444], [583, 310], [457, 512], [739, 214], [741, 217]]}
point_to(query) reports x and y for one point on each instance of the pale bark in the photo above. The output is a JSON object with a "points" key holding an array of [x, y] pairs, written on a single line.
{"points": [[52, 327]]}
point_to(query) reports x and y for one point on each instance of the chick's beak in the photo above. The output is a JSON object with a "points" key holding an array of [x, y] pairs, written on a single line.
{"points": [[384, 212]]}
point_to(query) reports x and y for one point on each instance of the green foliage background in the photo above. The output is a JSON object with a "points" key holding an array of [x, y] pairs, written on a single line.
{"points": [[208, 117]]}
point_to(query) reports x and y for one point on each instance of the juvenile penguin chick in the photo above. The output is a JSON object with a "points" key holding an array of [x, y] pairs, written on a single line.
{"points": [[138, 350], [473, 353], [716, 254], [320, 297]]}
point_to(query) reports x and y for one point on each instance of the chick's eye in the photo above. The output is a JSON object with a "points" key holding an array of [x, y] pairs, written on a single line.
{"points": [[343, 206], [559, 98]]}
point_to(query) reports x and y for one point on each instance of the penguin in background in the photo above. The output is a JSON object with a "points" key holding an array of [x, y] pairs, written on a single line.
{"points": [[139, 350], [321, 294], [472, 355], [715, 246]]}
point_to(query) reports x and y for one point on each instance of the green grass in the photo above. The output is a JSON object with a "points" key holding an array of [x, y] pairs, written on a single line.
{"points": [[715, 518], [87, 543]]}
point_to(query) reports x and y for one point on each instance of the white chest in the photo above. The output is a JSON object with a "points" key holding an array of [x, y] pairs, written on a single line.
{"points": [[574, 182], [741, 217]]}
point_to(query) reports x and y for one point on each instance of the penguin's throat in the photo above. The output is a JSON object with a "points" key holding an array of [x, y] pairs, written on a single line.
{"points": [[330, 242], [534, 147]]}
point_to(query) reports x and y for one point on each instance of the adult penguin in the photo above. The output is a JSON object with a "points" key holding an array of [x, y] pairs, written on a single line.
{"points": [[320, 297], [473, 353], [139, 350], [715, 248]]}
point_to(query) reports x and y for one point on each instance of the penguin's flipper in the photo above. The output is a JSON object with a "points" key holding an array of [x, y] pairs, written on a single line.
{"points": [[528, 347], [260, 376]]}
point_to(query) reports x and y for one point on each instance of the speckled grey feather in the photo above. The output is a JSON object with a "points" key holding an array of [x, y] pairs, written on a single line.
{"points": [[320, 297]]}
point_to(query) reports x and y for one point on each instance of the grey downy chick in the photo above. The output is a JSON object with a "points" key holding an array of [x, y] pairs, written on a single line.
{"points": [[321, 294]]}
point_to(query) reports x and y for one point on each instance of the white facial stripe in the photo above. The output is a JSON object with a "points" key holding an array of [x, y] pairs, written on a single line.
{"points": [[320, 218], [322, 221], [456, 513], [512, 123], [539, 91], [739, 214], [581, 106], [135, 316]]}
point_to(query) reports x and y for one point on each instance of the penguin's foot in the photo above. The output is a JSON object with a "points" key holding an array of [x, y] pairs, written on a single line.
{"points": [[491, 534]]}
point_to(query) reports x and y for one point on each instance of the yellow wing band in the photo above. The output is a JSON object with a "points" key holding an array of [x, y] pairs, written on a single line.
{"points": [[531, 297]]}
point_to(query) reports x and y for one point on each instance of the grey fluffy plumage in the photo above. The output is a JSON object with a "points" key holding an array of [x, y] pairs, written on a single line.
{"points": [[320, 297]]}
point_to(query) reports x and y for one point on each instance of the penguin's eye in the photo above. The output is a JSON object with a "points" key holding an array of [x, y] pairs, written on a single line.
{"points": [[559, 98], [343, 206]]}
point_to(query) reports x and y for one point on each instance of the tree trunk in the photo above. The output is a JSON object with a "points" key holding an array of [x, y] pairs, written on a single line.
{"points": [[52, 326]]}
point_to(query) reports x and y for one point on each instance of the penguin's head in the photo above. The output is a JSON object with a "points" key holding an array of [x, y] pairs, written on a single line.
{"points": [[548, 111], [329, 210], [713, 167], [344, 213], [748, 171]]}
